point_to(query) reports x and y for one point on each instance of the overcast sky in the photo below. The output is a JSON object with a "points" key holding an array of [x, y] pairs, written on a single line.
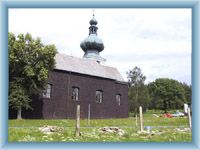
{"points": [[156, 40]]}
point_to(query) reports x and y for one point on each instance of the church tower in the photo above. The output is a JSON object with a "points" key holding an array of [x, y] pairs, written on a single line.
{"points": [[93, 45]]}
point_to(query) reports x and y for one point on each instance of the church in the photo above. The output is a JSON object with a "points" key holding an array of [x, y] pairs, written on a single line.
{"points": [[100, 90]]}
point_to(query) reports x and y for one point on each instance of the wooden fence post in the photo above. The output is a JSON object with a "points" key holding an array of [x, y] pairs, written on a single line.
{"points": [[141, 119], [77, 132], [136, 120], [189, 118], [89, 115]]}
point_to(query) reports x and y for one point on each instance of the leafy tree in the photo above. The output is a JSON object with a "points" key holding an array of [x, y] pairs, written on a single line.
{"points": [[138, 91], [18, 97], [188, 92], [166, 94], [135, 77], [29, 64]]}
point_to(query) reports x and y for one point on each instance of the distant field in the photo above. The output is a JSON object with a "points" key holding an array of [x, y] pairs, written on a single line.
{"points": [[162, 130]]}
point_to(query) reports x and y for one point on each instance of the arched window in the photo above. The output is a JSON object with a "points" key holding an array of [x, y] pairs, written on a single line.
{"points": [[75, 93], [118, 99], [99, 96]]}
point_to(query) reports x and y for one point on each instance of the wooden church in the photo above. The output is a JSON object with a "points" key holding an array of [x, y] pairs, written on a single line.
{"points": [[99, 89]]}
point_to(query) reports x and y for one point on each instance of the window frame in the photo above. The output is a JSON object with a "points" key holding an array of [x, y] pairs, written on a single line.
{"points": [[47, 93], [118, 99], [75, 96], [99, 96]]}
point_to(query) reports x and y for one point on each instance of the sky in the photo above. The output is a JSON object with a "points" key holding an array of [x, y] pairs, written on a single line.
{"points": [[156, 40]]}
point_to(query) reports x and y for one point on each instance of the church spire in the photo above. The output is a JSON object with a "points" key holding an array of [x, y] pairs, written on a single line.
{"points": [[93, 22], [93, 45]]}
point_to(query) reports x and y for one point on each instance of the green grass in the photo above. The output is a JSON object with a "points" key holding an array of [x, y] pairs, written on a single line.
{"points": [[28, 130]]}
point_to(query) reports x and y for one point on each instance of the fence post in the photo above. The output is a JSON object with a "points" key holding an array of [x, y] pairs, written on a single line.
{"points": [[136, 120], [77, 132], [141, 119], [89, 115], [189, 118]]}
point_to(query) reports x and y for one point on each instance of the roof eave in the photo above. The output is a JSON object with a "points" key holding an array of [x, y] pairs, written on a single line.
{"points": [[88, 75]]}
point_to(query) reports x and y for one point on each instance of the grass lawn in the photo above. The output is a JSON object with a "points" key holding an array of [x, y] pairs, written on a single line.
{"points": [[162, 130]]}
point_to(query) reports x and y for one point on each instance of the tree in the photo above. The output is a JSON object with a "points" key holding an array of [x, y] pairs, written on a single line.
{"points": [[18, 98], [188, 92], [135, 77], [166, 94], [29, 64], [138, 92]]}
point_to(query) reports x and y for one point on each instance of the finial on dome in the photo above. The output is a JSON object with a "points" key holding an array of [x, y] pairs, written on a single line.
{"points": [[93, 21], [93, 13]]}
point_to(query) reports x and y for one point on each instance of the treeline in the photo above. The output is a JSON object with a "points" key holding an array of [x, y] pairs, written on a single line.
{"points": [[162, 94]]}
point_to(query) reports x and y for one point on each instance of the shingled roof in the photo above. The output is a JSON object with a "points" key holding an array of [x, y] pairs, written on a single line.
{"points": [[87, 67]]}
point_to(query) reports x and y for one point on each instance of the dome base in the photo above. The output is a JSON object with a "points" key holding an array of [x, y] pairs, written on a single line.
{"points": [[94, 55]]}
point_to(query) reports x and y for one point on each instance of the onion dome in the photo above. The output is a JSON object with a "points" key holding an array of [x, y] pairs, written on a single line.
{"points": [[93, 21], [92, 42]]}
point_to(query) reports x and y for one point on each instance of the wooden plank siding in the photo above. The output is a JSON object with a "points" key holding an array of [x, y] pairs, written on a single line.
{"points": [[61, 106]]}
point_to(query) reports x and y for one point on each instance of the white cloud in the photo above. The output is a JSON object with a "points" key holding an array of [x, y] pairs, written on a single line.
{"points": [[156, 40]]}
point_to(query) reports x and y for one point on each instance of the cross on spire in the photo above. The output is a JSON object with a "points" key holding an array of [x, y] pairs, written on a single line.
{"points": [[93, 13]]}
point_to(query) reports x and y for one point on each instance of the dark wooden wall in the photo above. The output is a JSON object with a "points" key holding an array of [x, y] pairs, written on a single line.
{"points": [[61, 105]]}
